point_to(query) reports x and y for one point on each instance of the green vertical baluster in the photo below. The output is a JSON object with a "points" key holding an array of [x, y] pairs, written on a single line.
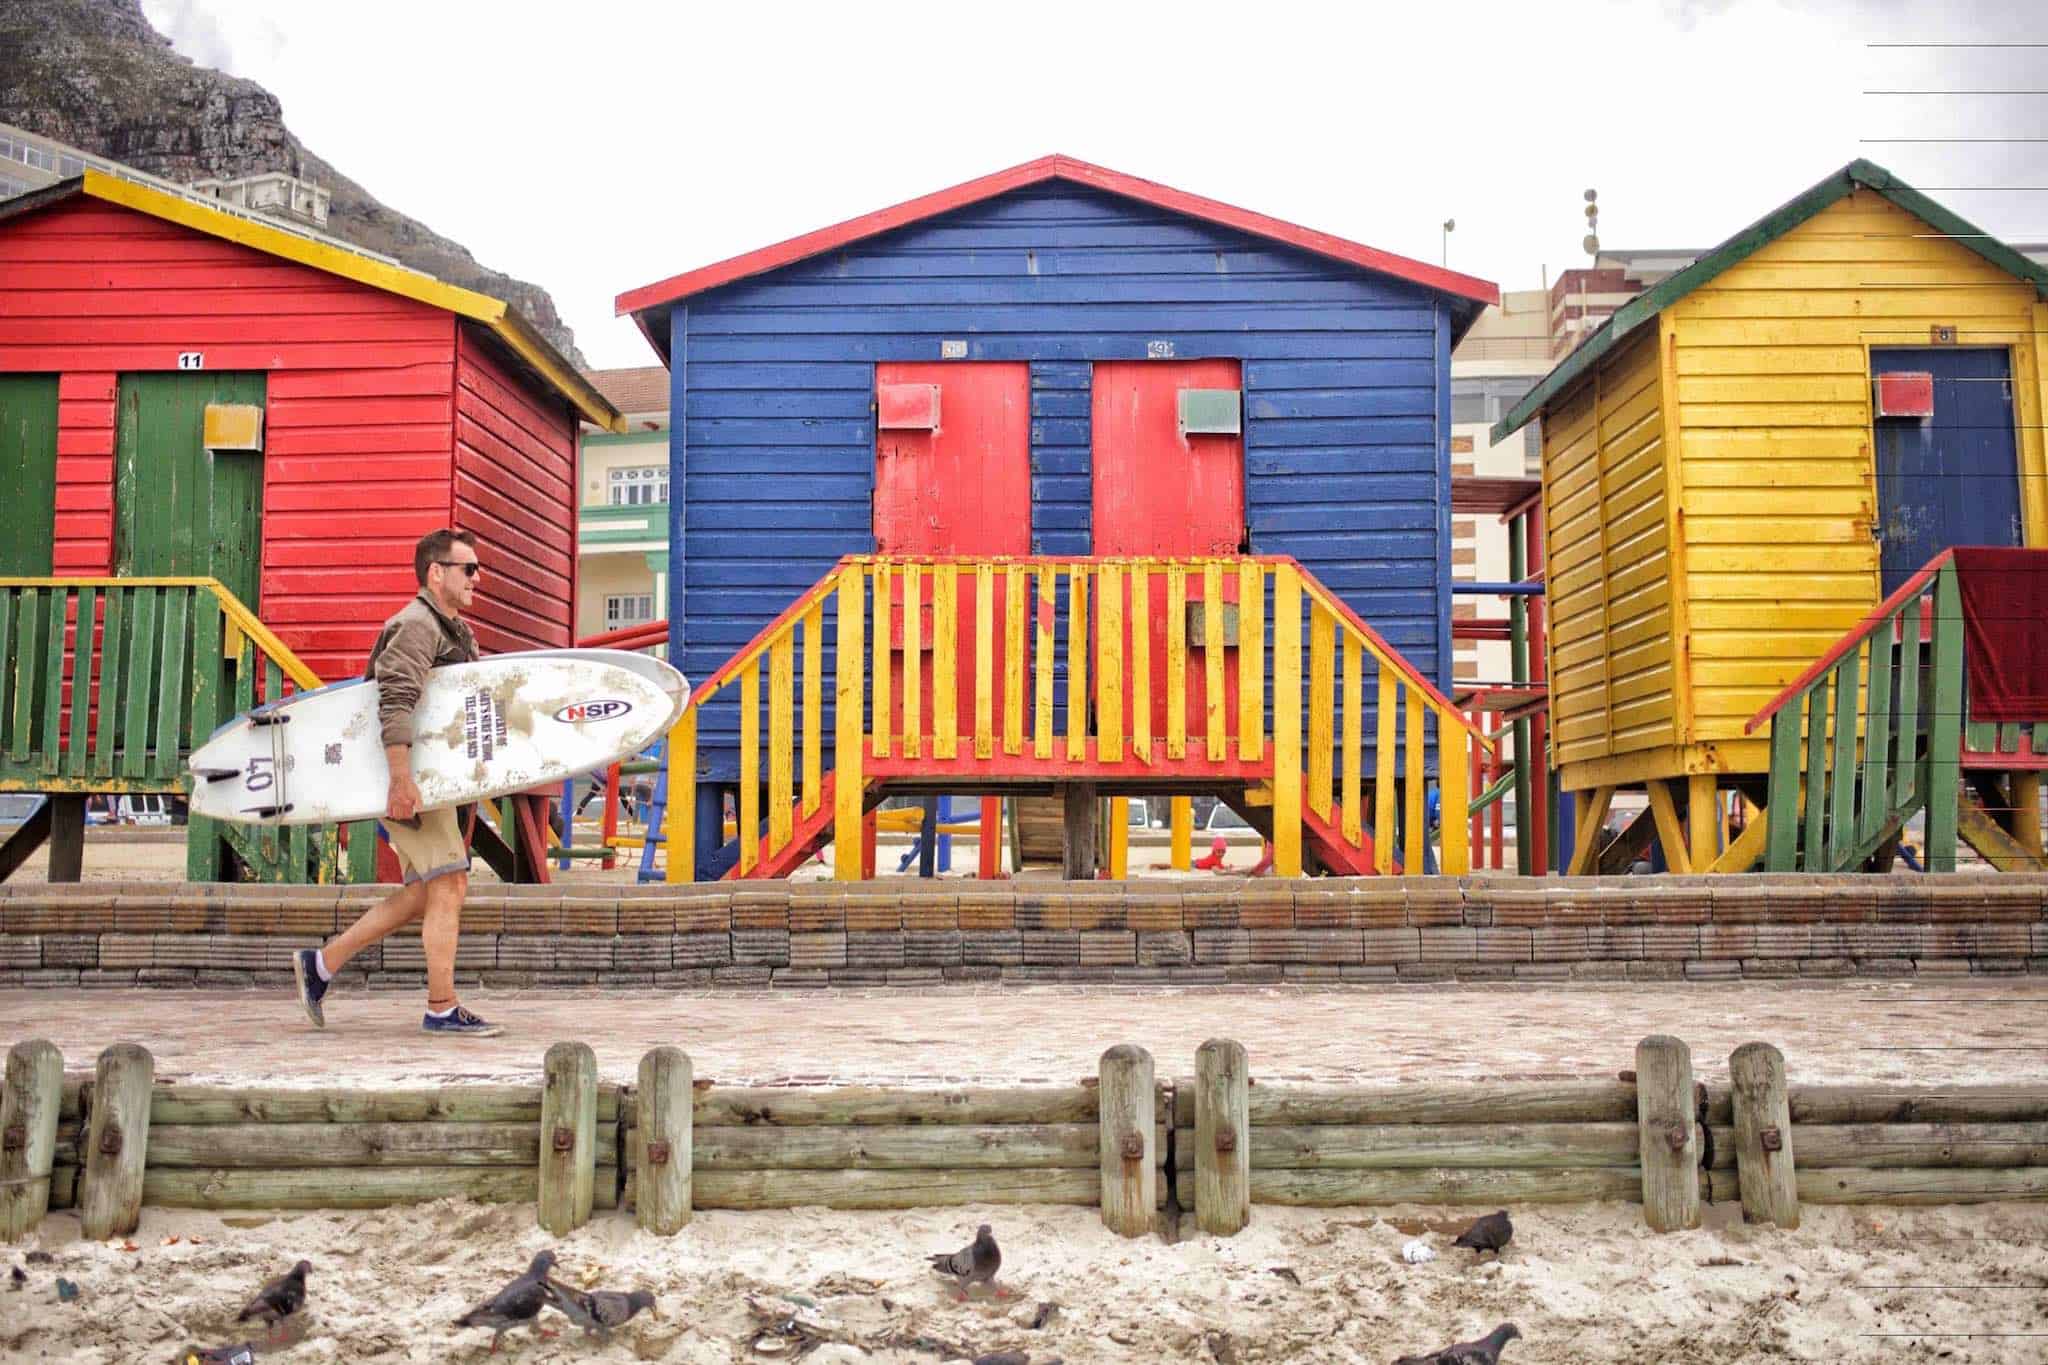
{"points": [[141, 678], [245, 679], [1842, 777], [77, 759], [1980, 735], [21, 735], [1944, 726], [169, 762], [297, 865], [362, 851], [1816, 773], [1781, 850], [113, 647], [1877, 737], [202, 836], [1912, 725], [53, 680]]}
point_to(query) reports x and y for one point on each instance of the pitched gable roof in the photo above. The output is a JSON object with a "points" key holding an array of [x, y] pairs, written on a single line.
{"points": [[1474, 293], [1746, 243], [533, 350]]}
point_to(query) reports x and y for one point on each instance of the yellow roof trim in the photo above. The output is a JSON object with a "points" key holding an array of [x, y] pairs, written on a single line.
{"points": [[528, 344]]}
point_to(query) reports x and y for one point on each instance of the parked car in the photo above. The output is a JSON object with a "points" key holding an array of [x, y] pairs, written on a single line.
{"points": [[1222, 817], [17, 807], [145, 808]]}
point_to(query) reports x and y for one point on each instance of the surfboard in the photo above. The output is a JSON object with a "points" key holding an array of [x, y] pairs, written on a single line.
{"points": [[500, 725]]}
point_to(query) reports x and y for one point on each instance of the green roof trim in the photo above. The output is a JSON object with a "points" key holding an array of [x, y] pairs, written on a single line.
{"points": [[1746, 243]]}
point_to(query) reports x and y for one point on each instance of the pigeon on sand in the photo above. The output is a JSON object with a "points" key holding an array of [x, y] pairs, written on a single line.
{"points": [[242, 1354], [279, 1299], [596, 1310], [518, 1302], [1485, 1351], [975, 1263], [1490, 1233]]}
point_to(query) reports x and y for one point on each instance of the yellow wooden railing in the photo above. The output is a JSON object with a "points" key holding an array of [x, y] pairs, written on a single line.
{"points": [[1181, 695]]}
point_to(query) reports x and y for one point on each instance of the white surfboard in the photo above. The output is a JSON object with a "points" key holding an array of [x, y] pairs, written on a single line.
{"points": [[500, 725]]}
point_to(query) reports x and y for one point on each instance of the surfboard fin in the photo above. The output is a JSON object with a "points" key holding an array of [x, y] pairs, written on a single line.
{"points": [[218, 774], [263, 717], [267, 812]]}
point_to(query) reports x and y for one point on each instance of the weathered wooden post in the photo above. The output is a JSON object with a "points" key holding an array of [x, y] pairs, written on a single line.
{"points": [[1126, 1110], [116, 1141], [663, 1156], [1667, 1139], [568, 1137], [28, 1134], [1223, 1149], [1763, 1136]]}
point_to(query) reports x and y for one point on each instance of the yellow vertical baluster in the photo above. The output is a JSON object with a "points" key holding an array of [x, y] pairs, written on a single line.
{"points": [[814, 706], [1141, 660], [781, 739], [945, 660], [1109, 664], [1077, 664], [1176, 661], [1322, 705], [1414, 800], [848, 788], [679, 820], [1354, 720], [984, 660], [750, 766], [1119, 838], [1383, 772], [913, 660], [1251, 660], [1454, 771], [1212, 655], [1014, 654], [1183, 809], [883, 658], [1287, 720], [1041, 711]]}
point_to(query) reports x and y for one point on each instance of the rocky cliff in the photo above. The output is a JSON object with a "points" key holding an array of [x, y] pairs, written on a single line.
{"points": [[95, 74]]}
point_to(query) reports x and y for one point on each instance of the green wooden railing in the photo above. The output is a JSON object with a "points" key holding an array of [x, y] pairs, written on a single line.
{"points": [[166, 661], [1871, 735]]}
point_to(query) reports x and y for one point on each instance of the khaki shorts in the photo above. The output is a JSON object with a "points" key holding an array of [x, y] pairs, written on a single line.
{"points": [[435, 849]]}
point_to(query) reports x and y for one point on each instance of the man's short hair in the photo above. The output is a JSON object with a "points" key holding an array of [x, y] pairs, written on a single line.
{"points": [[435, 545]]}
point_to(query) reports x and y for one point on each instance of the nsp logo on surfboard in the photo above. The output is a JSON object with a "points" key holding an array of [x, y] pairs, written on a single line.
{"points": [[606, 709]]}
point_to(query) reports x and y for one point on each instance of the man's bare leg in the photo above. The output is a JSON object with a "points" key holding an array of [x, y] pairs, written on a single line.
{"points": [[440, 931], [374, 925]]}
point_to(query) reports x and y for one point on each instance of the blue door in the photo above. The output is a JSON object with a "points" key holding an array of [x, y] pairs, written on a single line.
{"points": [[1953, 478]]}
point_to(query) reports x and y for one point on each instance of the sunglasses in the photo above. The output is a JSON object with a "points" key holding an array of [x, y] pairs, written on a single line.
{"points": [[468, 566]]}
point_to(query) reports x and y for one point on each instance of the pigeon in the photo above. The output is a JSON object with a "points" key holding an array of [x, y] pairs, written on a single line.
{"points": [[975, 1263], [66, 1290], [243, 1354], [596, 1311], [1485, 1351], [1490, 1233], [518, 1302], [16, 1278], [279, 1299]]}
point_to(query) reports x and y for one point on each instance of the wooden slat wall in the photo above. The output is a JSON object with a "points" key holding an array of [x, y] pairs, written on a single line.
{"points": [[515, 486], [357, 407], [1612, 688], [1773, 400]]}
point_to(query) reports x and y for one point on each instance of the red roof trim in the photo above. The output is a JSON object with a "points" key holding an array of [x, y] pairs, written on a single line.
{"points": [[1032, 173]]}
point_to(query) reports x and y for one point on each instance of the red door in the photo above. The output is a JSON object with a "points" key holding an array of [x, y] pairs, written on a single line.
{"points": [[1169, 483], [952, 477]]}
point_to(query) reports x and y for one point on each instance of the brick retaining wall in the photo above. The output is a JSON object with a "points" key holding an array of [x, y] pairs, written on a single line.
{"points": [[820, 934]]}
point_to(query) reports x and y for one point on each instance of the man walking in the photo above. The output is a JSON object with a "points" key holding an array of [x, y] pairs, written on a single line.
{"points": [[431, 848]]}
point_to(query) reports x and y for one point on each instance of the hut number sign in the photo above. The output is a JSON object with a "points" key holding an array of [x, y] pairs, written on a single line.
{"points": [[191, 360]]}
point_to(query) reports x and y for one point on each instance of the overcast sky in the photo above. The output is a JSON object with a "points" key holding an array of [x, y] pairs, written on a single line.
{"points": [[602, 145]]}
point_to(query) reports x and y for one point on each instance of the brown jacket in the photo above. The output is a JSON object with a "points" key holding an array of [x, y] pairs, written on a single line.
{"points": [[420, 637]]}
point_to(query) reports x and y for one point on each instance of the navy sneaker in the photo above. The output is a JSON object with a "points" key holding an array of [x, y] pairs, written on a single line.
{"points": [[460, 1022], [306, 967]]}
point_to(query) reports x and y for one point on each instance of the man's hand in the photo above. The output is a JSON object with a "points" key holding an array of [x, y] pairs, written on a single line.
{"points": [[403, 803]]}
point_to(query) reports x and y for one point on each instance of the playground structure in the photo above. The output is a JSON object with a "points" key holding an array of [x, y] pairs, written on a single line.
{"points": [[1746, 460]]}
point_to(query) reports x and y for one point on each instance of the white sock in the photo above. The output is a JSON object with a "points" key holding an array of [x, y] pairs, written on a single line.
{"points": [[443, 1014], [320, 966]]}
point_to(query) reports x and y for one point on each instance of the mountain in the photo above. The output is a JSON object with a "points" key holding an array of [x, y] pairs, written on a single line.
{"points": [[96, 74]]}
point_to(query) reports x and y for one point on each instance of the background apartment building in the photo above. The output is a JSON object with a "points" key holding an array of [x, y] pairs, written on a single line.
{"points": [[622, 525]]}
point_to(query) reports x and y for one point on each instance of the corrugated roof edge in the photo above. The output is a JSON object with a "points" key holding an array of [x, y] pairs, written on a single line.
{"points": [[1748, 242], [533, 350]]}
